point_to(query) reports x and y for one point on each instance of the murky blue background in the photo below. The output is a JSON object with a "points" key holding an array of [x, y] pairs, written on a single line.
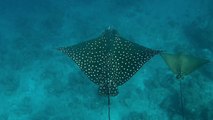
{"points": [[37, 82]]}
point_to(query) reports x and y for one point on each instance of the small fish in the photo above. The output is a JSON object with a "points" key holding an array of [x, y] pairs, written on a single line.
{"points": [[109, 60]]}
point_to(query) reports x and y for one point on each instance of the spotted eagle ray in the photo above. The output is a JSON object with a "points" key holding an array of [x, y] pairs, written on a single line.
{"points": [[109, 60], [182, 65]]}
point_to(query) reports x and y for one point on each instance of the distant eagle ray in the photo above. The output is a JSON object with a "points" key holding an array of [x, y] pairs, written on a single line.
{"points": [[109, 60], [182, 65]]}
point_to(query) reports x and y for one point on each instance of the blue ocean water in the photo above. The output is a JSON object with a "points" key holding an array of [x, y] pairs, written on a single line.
{"points": [[37, 82]]}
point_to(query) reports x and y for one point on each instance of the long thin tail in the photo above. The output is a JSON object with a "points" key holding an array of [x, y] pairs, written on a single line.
{"points": [[108, 107], [181, 100]]}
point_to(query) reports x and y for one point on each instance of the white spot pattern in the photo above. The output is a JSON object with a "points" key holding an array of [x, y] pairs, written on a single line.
{"points": [[110, 60]]}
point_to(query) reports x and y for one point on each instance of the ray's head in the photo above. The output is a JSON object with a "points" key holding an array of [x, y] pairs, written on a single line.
{"points": [[179, 76], [110, 32]]}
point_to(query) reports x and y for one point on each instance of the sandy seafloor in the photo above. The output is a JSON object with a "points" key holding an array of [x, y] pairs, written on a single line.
{"points": [[37, 82]]}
